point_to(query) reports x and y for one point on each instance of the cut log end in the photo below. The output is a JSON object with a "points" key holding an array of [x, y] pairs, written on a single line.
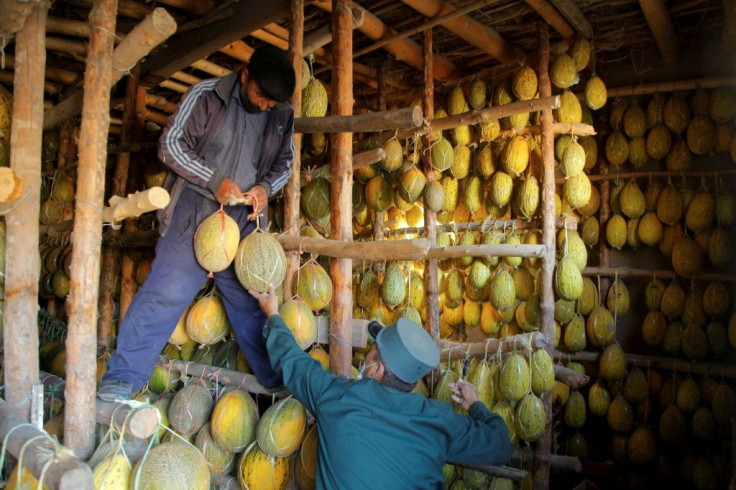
{"points": [[76, 479], [163, 22], [11, 185], [144, 422]]}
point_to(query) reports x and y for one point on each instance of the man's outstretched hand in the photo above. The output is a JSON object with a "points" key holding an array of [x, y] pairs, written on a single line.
{"points": [[463, 393], [268, 301]]}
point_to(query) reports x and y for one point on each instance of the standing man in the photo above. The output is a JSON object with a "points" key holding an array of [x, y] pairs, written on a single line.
{"points": [[228, 136], [374, 433]]}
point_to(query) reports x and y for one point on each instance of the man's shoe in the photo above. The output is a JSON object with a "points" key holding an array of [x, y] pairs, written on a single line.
{"points": [[114, 389]]}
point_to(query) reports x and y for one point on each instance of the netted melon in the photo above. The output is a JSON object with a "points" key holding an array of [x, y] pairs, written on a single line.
{"points": [[649, 230], [282, 428], [596, 93], [617, 148], [234, 420], [501, 188], [568, 280], [694, 342], [515, 378], [672, 426], [300, 320], [687, 259], [676, 114], [600, 326], [637, 152], [524, 83], [716, 299], [654, 328], [527, 197], [670, 205], [411, 184], [577, 190], [207, 321], [616, 231], [434, 196], [613, 363], [632, 201], [393, 286], [575, 410], [635, 121], [515, 155], [314, 286], [700, 135], [719, 247], [173, 464], [618, 300], [190, 408], [260, 261], [503, 291], [599, 398], [573, 159], [477, 94], [216, 242], [620, 415], [456, 102], [542, 372], [379, 194], [569, 110], [219, 460], [680, 158], [314, 99], [451, 186], [642, 447]]}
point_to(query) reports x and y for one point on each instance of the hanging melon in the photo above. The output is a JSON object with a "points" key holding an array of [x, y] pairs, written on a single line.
{"points": [[234, 420], [260, 261], [314, 99], [207, 321], [171, 465], [282, 427], [216, 241], [190, 408], [300, 320], [314, 286], [258, 470], [220, 460]]}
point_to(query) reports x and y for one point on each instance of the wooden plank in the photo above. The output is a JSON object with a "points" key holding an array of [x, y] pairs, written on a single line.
{"points": [[154, 29], [81, 342], [406, 118], [41, 454], [469, 29], [660, 23], [182, 51], [22, 262], [357, 332]]}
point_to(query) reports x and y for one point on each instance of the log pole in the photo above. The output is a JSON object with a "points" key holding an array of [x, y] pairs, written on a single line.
{"points": [[81, 344], [22, 261], [431, 278], [153, 30], [406, 118], [570, 377], [61, 468], [341, 173], [414, 249], [544, 445], [660, 23], [456, 350], [292, 192], [673, 86]]}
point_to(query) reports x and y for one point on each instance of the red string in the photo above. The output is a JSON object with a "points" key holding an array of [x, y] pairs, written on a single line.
{"points": [[254, 201]]}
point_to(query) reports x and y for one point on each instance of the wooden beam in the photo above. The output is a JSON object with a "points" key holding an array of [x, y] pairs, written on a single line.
{"points": [[22, 262], [154, 29], [729, 22], [660, 23], [552, 17], [469, 29], [76, 49], [403, 50], [660, 273], [61, 469], [570, 377], [238, 50], [194, 45], [211, 68], [222, 376], [462, 350], [495, 250], [574, 16], [387, 250], [406, 118], [14, 15], [544, 444], [672, 86], [323, 36]]}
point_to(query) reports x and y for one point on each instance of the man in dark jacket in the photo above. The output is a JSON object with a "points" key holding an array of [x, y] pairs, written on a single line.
{"points": [[373, 433], [228, 136]]}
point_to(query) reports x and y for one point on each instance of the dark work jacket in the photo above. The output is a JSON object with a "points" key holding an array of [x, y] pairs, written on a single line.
{"points": [[198, 118], [372, 436]]}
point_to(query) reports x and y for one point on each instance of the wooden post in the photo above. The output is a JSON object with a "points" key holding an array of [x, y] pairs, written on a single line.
{"points": [[660, 23], [292, 192], [544, 445], [341, 193], [111, 255], [22, 261], [379, 225], [81, 344], [61, 468], [431, 286]]}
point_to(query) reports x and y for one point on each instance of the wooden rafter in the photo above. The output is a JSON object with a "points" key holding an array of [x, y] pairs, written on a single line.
{"points": [[477, 34], [574, 16], [550, 15], [403, 50], [14, 16], [660, 23]]}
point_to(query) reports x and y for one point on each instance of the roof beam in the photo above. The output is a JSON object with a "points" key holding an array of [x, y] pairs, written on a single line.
{"points": [[472, 31], [403, 50], [660, 23], [552, 17], [574, 16]]}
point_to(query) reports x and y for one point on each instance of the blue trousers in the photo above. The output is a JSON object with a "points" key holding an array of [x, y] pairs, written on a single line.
{"points": [[171, 284]]}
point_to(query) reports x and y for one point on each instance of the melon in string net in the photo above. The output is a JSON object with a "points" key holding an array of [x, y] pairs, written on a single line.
{"points": [[216, 242], [260, 259]]}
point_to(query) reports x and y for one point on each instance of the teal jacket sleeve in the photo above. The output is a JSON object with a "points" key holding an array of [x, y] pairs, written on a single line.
{"points": [[303, 376], [481, 439]]}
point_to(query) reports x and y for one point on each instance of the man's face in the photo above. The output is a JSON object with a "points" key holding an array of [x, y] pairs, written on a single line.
{"points": [[251, 96], [371, 366]]}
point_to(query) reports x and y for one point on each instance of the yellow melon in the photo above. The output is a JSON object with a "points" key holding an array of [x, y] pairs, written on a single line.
{"points": [[234, 420], [258, 470], [282, 428], [300, 320], [207, 321], [216, 241]]}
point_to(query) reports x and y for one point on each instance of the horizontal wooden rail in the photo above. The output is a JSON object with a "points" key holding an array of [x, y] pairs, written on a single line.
{"points": [[494, 250], [62, 469], [674, 86], [556, 461], [659, 173], [668, 363], [648, 273], [406, 118], [578, 129], [460, 350], [386, 250], [569, 222]]}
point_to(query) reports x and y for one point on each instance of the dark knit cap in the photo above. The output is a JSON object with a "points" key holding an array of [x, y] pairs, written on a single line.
{"points": [[273, 72]]}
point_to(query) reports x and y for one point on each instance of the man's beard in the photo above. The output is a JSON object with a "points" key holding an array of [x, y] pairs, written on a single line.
{"points": [[245, 101]]}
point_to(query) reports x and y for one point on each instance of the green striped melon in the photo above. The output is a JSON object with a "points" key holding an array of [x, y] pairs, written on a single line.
{"points": [[300, 320], [234, 420], [219, 460], [258, 470], [216, 241], [173, 464], [314, 286], [112, 473], [282, 428], [260, 261], [207, 321], [190, 408]]}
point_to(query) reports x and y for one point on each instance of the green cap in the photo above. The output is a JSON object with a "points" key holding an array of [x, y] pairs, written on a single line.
{"points": [[407, 350]]}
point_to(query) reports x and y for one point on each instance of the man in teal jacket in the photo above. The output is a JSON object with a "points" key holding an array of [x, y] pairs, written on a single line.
{"points": [[374, 433]]}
